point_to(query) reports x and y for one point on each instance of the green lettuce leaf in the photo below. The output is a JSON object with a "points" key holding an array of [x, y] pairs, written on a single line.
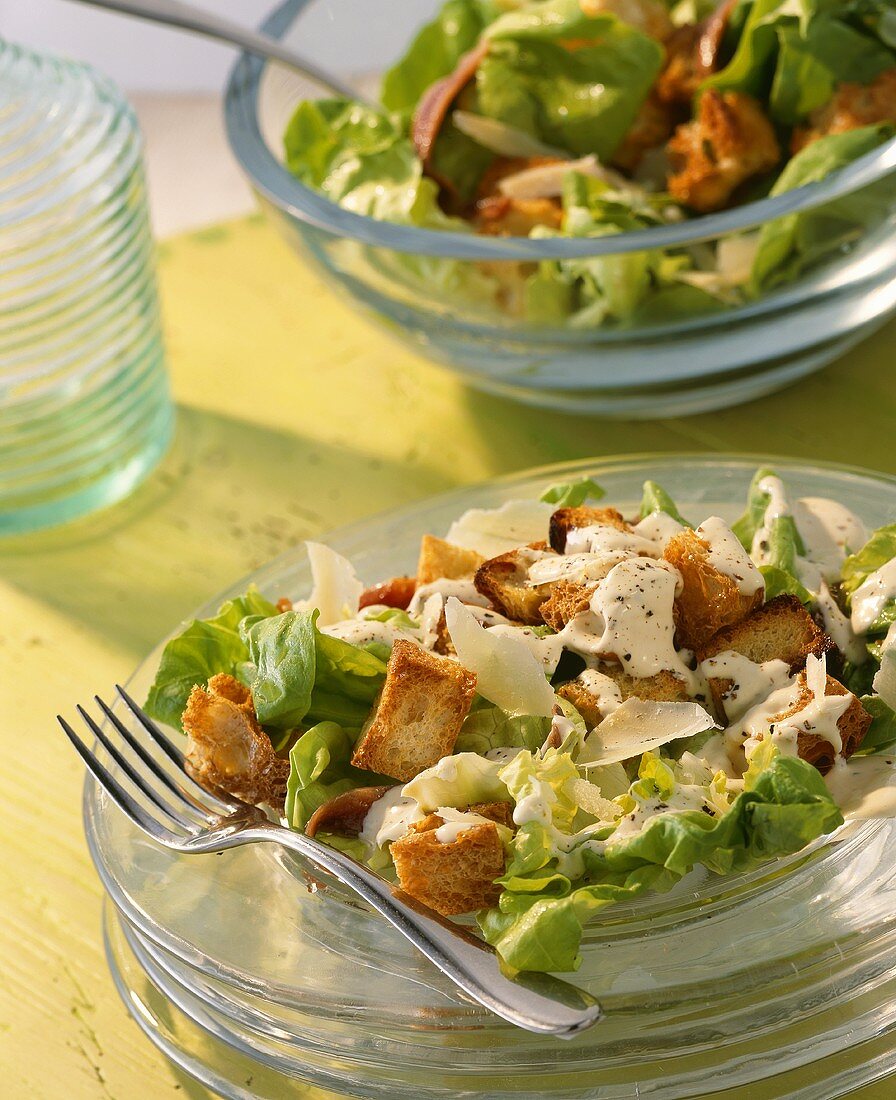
{"points": [[790, 245], [881, 735], [460, 780], [656, 499], [488, 727], [202, 649], [300, 674], [537, 924], [780, 573], [319, 769], [753, 518], [572, 494], [582, 100], [434, 52], [877, 551]]}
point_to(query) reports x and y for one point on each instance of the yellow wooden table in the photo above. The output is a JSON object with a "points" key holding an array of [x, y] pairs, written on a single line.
{"points": [[293, 416]]}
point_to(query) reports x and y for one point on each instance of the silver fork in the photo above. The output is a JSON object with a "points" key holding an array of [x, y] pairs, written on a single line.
{"points": [[188, 818]]}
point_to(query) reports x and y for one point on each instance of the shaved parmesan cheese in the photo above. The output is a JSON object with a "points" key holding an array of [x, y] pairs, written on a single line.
{"points": [[506, 141], [508, 673], [493, 531], [336, 589], [640, 725], [545, 181]]}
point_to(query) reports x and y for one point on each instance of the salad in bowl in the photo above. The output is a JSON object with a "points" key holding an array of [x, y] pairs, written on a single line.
{"points": [[598, 118], [565, 707]]}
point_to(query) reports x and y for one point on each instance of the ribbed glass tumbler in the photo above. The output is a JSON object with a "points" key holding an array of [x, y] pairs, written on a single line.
{"points": [[85, 410]]}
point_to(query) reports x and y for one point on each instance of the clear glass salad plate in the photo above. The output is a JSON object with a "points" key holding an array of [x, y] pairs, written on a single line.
{"points": [[780, 982], [406, 278]]}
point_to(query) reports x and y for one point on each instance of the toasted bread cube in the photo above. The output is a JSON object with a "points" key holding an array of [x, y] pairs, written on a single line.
{"points": [[440, 559], [663, 687], [853, 725], [565, 520], [452, 878], [499, 812], [567, 599], [504, 580], [710, 600], [781, 629], [227, 748], [418, 716]]}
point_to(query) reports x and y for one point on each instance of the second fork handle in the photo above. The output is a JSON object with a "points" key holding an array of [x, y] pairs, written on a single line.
{"points": [[536, 1002]]}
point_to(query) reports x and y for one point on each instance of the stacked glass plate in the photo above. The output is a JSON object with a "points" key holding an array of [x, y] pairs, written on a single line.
{"points": [[257, 973], [84, 405]]}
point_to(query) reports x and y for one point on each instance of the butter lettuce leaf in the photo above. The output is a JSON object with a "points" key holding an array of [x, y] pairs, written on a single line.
{"points": [[877, 551], [572, 494], [435, 52], [881, 735], [538, 922], [202, 649], [581, 99], [488, 727], [656, 499], [300, 675]]}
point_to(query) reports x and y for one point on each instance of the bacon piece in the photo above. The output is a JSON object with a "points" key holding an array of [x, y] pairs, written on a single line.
{"points": [[344, 815], [284, 604], [435, 104], [394, 593]]}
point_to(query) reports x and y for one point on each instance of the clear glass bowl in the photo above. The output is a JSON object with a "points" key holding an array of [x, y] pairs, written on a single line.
{"points": [[649, 369], [781, 982]]}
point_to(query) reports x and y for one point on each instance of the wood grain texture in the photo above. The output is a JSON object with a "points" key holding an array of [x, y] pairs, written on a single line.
{"points": [[294, 416]]}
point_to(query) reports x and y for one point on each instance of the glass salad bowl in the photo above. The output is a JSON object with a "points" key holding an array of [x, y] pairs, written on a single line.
{"points": [[779, 982], [673, 356]]}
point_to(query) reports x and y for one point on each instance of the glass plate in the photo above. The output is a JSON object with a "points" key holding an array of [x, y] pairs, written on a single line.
{"points": [[788, 972]]}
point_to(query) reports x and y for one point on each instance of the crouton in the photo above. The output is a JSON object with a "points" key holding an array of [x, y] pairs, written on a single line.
{"points": [[710, 600], [418, 716], [730, 141], [452, 878], [692, 53], [227, 748], [440, 559], [781, 629], [853, 725], [567, 599], [565, 520], [344, 815], [663, 687], [396, 592], [499, 812], [851, 107], [504, 581]]}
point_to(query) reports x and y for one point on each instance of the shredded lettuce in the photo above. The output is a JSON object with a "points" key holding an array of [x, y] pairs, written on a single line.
{"points": [[202, 649]]}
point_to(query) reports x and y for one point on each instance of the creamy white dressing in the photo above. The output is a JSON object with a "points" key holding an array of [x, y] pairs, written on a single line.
{"points": [[659, 528], [464, 590], [873, 595], [606, 692], [727, 556], [389, 818], [579, 568], [456, 823], [363, 632], [777, 506], [818, 715], [751, 682], [864, 786], [599, 538], [884, 682], [829, 531], [634, 603], [837, 625]]}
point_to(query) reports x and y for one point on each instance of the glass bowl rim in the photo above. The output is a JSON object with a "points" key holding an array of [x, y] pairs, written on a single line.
{"points": [[190, 952], [278, 186]]}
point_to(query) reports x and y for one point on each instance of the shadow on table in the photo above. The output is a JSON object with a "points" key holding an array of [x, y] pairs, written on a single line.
{"points": [[846, 414], [228, 496]]}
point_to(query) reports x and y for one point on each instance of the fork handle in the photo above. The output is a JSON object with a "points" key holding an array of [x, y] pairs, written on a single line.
{"points": [[536, 1002], [175, 13]]}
